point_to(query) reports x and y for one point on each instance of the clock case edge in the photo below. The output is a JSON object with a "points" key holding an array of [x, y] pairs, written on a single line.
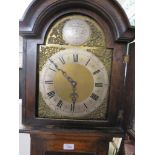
{"points": [[44, 13]]}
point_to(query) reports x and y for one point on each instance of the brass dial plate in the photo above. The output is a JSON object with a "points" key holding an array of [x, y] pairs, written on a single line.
{"points": [[57, 76], [55, 48]]}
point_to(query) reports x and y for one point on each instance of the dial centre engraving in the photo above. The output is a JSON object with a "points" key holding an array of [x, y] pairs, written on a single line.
{"points": [[83, 78]]}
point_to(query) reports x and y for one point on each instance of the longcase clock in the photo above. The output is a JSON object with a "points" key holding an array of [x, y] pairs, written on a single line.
{"points": [[74, 66]]}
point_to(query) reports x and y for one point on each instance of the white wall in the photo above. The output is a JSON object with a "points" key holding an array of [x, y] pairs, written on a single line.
{"points": [[24, 139], [24, 144]]}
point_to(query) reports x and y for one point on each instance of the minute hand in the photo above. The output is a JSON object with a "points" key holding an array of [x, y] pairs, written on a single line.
{"points": [[73, 83]]}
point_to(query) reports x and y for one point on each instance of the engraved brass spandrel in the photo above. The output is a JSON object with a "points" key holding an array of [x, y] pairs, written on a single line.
{"points": [[97, 38], [45, 53], [55, 34], [105, 55], [44, 111]]}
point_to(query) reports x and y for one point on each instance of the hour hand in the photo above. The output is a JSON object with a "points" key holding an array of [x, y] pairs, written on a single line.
{"points": [[74, 96], [69, 79]]}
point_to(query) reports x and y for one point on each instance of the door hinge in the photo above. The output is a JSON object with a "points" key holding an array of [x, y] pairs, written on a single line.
{"points": [[126, 59]]}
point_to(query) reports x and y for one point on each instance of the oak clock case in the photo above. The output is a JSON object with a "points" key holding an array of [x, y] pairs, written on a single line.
{"points": [[73, 73], [74, 70], [73, 63]]}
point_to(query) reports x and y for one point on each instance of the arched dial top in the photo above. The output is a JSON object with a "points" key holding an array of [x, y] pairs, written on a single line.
{"points": [[76, 30]]}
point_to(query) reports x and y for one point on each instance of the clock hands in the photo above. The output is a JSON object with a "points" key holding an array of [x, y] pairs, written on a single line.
{"points": [[74, 97], [73, 83]]}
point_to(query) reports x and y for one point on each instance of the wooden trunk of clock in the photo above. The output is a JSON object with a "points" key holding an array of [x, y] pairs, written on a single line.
{"points": [[70, 142], [74, 72]]}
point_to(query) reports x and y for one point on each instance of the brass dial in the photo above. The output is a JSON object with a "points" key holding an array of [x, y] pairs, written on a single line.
{"points": [[75, 67], [73, 82]]}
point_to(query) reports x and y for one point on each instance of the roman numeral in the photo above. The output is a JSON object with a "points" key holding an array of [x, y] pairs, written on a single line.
{"points": [[55, 65], [75, 57], [51, 94], [87, 62], [96, 72], [72, 108], [48, 82], [51, 61], [98, 84], [62, 60], [52, 69], [85, 106], [60, 103], [94, 96]]}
